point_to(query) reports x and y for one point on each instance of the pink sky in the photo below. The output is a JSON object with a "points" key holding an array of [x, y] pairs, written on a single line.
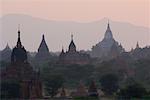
{"points": [[133, 11]]}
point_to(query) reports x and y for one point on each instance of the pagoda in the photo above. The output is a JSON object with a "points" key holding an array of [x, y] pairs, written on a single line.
{"points": [[43, 54], [92, 91], [72, 56], [81, 91], [105, 48], [20, 76], [6, 54]]}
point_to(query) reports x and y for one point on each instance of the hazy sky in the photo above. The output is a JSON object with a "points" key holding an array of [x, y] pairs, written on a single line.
{"points": [[133, 11]]}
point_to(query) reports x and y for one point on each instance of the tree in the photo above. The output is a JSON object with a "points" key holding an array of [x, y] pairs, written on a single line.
{"points": [[109, 84], [132, 91], [9, 90], [3, 64], [53, 83]]}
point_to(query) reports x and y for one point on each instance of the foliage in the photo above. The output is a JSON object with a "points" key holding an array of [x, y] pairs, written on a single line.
{"points": [[86, 98], [71, 73], [10, 89], [109, 84], [113, 66], [3, 64], [53, 83], [142, 72], [132, 91]]}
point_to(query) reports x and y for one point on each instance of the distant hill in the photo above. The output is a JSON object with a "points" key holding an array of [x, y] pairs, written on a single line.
{"points": [[57, 33]]}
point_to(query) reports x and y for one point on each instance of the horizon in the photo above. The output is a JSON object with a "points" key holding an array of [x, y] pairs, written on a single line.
{"points": [[68, 39], [75, 21], [47, 46], [135, 12]]}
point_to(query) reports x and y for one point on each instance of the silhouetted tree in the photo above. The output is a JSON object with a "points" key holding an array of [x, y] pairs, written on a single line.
{"points": [[9, 90], [109, 84], [132, 91], [3, 64], [53, 83]]}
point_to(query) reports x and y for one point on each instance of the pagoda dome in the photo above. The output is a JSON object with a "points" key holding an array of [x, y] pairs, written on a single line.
{"points": [[43, 46], [19, 53], [72, 46], [108, 33]]}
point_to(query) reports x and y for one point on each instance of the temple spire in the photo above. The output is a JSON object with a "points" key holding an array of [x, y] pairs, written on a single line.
{"points": [[72, 46], [71, 37], [19, 53], [108, 33], [7, 46], [132, 49], [137, 45], [43, 38], [43, 46], [19, 41], [62, 49], [108, 27], [19, 31]]}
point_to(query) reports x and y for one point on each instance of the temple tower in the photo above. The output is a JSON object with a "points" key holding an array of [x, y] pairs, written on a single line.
{"points": [[19, 53], [43, 54], [72, 46], [108, 33], [93, 90], [5, 54], [103, 48]]}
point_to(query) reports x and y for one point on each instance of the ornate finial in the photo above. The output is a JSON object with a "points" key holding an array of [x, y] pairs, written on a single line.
{"points": [[62, 49], [18, 30], [43, 36], [108, 33], [131, 49], [137, 45], [7, 46], [19, 41], [71, 36], [108, 24]]}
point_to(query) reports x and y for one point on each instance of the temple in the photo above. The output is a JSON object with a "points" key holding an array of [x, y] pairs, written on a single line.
{"points": [[108, 47], [19, 80], [93, 89], [72, 56], [5, 54], [43, 54], [137, 45], [80, 91], [19, 53], [63, 93]]}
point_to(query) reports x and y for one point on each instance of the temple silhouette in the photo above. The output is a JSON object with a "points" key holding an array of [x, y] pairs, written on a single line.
{"points": [[108, 47], [20, 76], [43, 55], [72, 56], [22, 80]]}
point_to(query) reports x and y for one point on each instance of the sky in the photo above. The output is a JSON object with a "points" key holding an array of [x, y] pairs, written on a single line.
{"points": [[131, 11]]}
